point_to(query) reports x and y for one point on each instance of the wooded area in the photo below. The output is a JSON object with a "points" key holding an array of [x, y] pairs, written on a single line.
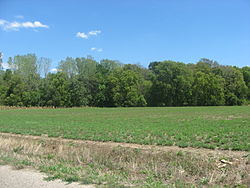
{"points": [[108, 83]]}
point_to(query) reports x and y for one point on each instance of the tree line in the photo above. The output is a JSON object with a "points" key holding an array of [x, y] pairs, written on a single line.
{"points": [[86, 82]]}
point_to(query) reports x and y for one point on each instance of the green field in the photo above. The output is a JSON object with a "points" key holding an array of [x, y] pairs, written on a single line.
{"points": [[206, 127]]}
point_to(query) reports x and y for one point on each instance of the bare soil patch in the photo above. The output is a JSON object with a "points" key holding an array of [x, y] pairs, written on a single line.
{"points": [[29, 178], [155, 148]]}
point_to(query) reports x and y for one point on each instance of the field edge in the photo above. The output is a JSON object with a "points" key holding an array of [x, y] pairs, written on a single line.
{"points": [[113, 164]]}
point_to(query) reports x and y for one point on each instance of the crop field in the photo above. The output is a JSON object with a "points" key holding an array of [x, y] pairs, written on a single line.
{"points": [[199, 127]]}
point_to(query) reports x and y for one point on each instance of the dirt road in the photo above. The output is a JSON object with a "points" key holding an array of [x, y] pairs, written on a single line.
{"points": [[28, 178]]}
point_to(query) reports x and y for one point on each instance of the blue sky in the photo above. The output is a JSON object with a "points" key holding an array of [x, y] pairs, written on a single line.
{"points": [[131, 31]]}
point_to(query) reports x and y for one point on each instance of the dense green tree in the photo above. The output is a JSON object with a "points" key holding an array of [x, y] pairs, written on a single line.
{"points": [[171, 84], [31, 98], [124, 89], [1, 61], [26, 66], [55, 92], [1, 78], [235, 87], [207, 66], [4, 85], [77, 93], [102, 93], [208, 89], [86, 82], [13, 91], [87, 75], [145, 78], [246, 77]]}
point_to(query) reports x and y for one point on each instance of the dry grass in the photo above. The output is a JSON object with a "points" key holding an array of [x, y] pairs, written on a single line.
{"points": [[23, 107], [132, 164]]}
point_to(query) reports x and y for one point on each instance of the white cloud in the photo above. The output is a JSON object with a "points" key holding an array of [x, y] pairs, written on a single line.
{"points": [[6, 25], [94, 32], [2, 22], [39, 24], [34, 25], [5, 66], [54, 70], [13, 25], [96, 49], [86, 36], [82, 35]]}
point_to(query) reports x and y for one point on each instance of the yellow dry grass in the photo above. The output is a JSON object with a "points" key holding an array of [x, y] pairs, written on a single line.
{"points": [[169, 164]]}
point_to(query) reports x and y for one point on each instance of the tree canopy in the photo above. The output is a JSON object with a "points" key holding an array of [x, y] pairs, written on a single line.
{"points": [[108, 83]]}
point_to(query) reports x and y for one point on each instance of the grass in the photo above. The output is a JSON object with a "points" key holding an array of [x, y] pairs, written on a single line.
{"points": [[106, 166], [200, 127]]}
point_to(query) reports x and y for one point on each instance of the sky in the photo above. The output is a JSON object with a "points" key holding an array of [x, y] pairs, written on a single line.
{"points": [[131, 31]]}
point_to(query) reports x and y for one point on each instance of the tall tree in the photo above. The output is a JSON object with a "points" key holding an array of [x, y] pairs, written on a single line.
{"points": [[235, 87], [246, 77], [44, 66], [208, 89], [25, 64], [87, 76], [103, 70], [86, 67], [14, 89], [1, 61], [68, 66], [55, 92], [124, 89], [77, 92], [171, 84]]}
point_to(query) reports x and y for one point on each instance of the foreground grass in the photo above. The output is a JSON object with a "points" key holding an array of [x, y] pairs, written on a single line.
{"points": [[206, 127], [107, 165]]}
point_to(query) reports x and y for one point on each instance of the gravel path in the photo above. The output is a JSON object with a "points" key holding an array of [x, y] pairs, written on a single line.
{"points": [[28, 178]]}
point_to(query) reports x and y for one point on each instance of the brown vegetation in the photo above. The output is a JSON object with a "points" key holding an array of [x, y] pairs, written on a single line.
{"points": [[138, 162]]}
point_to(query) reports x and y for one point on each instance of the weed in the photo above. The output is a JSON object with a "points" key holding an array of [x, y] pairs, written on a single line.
{"points": [[107, 165], [18, 149]]}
